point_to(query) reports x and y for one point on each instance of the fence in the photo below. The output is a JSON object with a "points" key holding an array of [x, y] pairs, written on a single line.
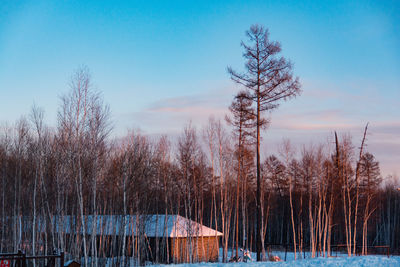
{"points": [[21, 259], [375, 249], [334, 249]]}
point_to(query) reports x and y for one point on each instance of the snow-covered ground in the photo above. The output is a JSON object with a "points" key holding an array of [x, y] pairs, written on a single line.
{"points": [[338, 261], [360, 261]]}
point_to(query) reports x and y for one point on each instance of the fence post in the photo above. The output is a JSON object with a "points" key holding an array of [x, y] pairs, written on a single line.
{"points": [[286, 245], [62, 259], [24, 259], [19, 258]]}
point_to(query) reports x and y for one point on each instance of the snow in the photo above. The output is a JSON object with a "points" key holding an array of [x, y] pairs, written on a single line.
{"points": [[341, 260], [338, 261], [359, 261]]}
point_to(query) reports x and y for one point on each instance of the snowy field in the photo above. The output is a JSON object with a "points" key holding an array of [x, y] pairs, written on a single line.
{"points": [[340, 260], [360, 261]]}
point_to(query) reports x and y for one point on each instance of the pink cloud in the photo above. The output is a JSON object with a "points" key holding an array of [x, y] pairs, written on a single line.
{"points": [[312, 118], [169, 115]]}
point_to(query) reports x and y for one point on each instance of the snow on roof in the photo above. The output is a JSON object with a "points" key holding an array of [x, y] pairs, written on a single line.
{"points": [[151, 225]]}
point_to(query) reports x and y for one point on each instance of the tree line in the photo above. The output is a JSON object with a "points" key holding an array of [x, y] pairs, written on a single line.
{"points": [[309, 197], [314, 197]]}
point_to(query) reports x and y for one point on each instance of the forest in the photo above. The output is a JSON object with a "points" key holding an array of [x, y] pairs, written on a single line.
{"points": [[308, 197]]}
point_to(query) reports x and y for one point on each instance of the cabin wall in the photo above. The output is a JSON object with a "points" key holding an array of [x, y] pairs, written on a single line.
{"points": [[204, 249]]}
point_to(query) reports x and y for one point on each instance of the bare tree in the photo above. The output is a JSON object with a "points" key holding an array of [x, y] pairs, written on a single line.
{"points": [[243, 122], [5, 143], [74, 118], [269, 79], [357, 185], [225, 161], [20, 148], [163, 151], [209, 133], [37, 120], [98, 130], [274, 180], [287, 152], [188, 152], [345, 174], [370, 180], [83, 119]]}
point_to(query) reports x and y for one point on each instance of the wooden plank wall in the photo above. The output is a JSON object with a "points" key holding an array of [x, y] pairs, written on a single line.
{"points": [[204, 249]]}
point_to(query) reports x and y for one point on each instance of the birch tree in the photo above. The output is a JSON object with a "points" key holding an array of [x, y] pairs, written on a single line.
{"points": [[287, 152], [242, 121], [83, 119]]}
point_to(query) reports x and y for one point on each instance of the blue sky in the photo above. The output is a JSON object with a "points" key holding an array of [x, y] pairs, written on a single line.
{"points": [[159, 64]]}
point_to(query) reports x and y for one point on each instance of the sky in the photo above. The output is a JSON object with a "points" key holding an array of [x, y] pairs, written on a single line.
{"points": [[161, 64]]}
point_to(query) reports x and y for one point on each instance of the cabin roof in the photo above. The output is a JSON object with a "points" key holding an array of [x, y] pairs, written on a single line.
{"points": [[172, 226]]}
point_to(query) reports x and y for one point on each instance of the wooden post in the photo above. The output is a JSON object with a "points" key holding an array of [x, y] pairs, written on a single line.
{"points": [[19, 259], [286, 245], [62, 259], [23, 259]]}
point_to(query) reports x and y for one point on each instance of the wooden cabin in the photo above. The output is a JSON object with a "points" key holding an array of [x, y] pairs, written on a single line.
{"points": [[189, 241]]}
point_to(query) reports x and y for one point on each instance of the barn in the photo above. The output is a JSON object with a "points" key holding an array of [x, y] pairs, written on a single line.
{"points": [[166, 238]]}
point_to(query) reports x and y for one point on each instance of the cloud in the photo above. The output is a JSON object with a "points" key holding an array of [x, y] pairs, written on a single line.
{"points": [[383, 139], [170, 114], [309, 119]]}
